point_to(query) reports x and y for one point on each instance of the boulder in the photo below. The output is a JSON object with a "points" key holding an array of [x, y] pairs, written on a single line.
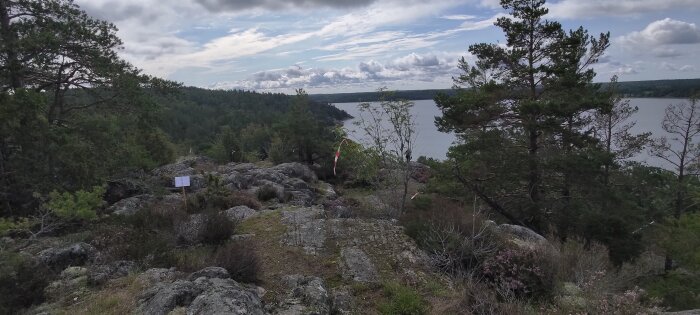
{"points": [[225, 296], [522, 237], [131, 205], [100, 274], [76, 254], [164, 297], [420, 172], [240, 213], [357, 266], [297, 170], [190, 231], [210, 272], [308, 295]]}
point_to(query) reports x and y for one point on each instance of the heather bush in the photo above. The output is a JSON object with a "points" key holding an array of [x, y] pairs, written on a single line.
{"points": [[521, 272], [243, 199], [241, 260], [267, 192], [217, 228]]}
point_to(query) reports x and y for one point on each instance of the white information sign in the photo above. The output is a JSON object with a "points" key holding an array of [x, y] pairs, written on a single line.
{"points": [[183, 181]]}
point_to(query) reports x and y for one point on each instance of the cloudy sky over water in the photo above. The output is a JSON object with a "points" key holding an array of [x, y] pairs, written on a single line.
{"points": [[328, 46]]}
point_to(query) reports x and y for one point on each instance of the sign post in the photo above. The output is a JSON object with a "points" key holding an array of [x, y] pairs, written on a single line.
{"points": [[183, 181]]}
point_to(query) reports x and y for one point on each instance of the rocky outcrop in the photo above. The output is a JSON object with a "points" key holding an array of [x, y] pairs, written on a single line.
{"points": [[521, 236], [164, 297], [240, 213], [225, 296], [77, 254], [208, 291], [190, 231], [307, 295], [305, 228], [99, 274], [131, 205], [356, 265]]}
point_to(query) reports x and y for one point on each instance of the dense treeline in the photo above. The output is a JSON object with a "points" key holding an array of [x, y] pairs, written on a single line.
{"points": [[194, 117], [680, 88]]}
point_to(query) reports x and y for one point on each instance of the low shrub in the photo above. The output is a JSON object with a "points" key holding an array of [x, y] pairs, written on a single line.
{"points": [[217, 228], [241, 260], [79, 205], [521, 272], [402, 301], [22, 282], [243, 199], [267, 192], [677, 290], [422, 203]]}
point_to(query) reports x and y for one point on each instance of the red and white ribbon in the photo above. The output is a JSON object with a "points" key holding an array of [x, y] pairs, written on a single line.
{"points": [[337, 155]]}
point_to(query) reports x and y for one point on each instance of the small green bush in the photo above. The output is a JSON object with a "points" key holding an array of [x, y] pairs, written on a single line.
{"points": [[402, 301], [241, 260], [79, 205], [8, 225], [678, 290], [217, 228]]}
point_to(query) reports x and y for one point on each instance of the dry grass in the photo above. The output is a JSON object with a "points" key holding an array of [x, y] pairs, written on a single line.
{"points": [[118, 297]]}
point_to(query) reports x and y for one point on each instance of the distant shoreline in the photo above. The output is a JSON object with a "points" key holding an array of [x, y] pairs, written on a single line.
{"points": [[680, 88]]}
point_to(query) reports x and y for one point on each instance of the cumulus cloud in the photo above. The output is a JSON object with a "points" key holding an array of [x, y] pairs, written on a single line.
{"points": [[414, 67], [589, 8], [664, 32]]}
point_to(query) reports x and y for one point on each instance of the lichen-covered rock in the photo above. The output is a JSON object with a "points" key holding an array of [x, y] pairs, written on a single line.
{"points": [[99, 274], [76, 254], [131, 205], [240, 213], [305, 229], [224, 296], [297, 170], [522, 237], [190, 231], [307, 295], [72, 279], [210, 272], [342, 302], [356, 265], [157, 275], [164, 297]]}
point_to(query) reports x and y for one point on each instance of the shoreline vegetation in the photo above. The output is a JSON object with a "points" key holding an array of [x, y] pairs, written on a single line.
{"points": [[678, 88]]}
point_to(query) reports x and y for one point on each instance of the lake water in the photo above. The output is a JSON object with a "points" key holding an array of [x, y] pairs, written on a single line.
{"points": [[432, 143]]}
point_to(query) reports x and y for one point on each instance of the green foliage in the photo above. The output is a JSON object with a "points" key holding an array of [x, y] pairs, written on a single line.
{"points": [[402, 301], [14, 224], [22, 282], [678, 290], [681, 239], [217, 228], [79, 205]]}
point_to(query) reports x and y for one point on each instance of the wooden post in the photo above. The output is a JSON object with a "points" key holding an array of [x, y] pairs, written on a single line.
{"points": [[184, 193]]}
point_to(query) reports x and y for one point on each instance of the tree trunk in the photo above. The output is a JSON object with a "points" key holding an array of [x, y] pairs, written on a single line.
{"points": [[10, 46]]}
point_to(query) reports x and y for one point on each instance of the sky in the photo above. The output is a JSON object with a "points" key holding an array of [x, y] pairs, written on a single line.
{"points": [[332, 46]]}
